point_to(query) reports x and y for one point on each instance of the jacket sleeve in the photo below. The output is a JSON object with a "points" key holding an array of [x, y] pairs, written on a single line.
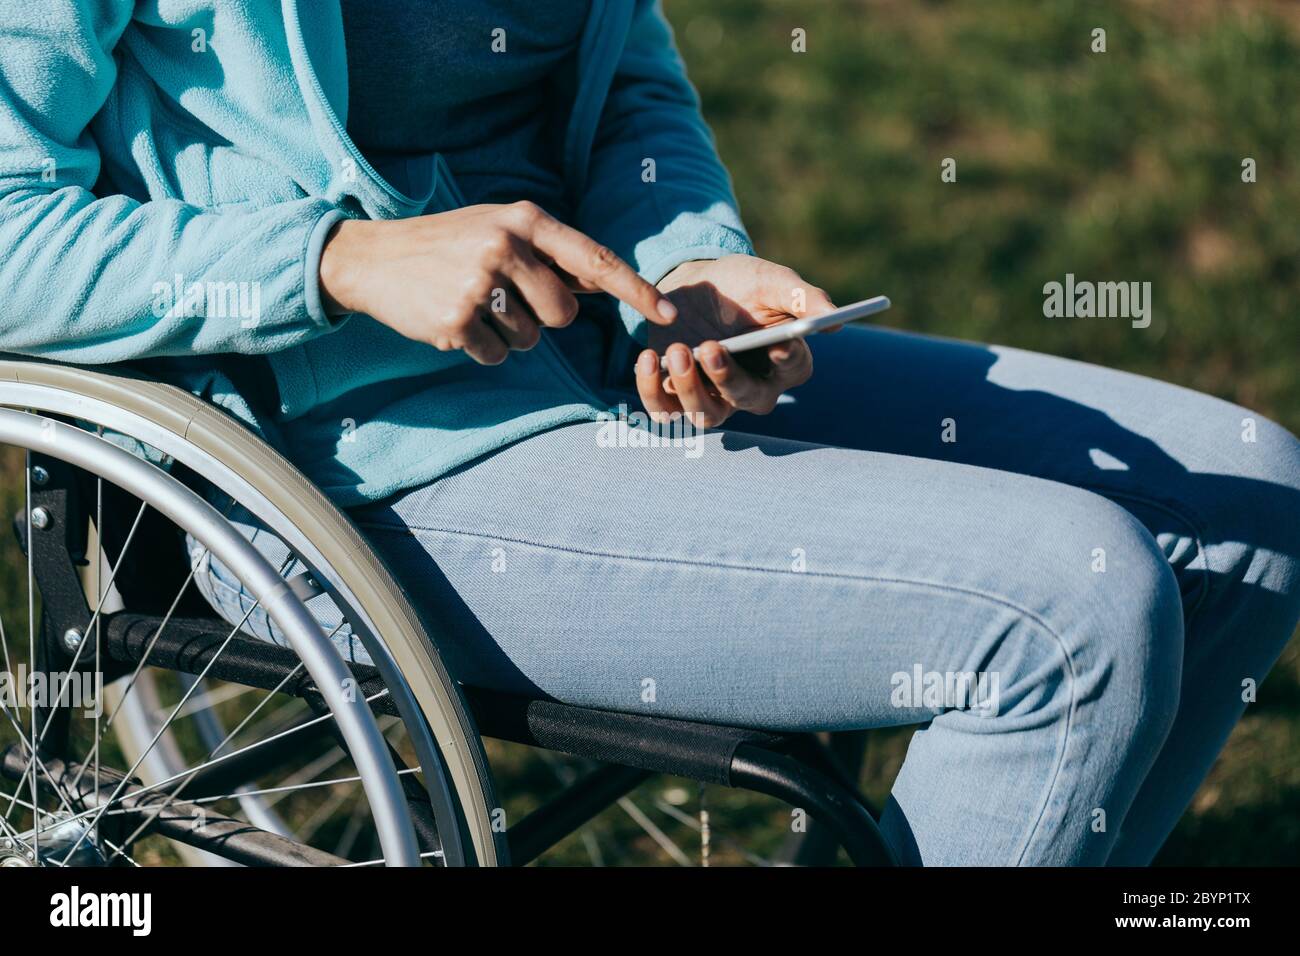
{"points": [[656, 192], [93, 280]]}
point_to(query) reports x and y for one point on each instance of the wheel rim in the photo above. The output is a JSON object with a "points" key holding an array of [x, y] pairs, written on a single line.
{"points": [[168, 497], [204, 439]]}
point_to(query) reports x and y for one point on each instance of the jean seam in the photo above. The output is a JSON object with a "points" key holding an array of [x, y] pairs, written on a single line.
{"points": [[1025, 613]]}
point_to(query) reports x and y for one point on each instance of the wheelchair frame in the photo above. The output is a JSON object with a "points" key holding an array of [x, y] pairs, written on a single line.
{"points": [[799, 769]]}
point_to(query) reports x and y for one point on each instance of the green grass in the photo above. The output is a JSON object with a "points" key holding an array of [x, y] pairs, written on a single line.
{"points": [[1117, 165]]}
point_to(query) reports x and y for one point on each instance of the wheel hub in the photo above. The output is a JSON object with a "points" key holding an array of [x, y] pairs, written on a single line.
{"points": [[15, 854], [59, 834]]}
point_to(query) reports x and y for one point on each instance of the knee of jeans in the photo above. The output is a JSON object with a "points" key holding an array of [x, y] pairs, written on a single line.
{"points": [[1099, 622], [1130, 639], [1273, 495], [1245, 493]]}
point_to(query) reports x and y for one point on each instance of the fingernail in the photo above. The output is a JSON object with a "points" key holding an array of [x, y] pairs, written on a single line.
{"points": [[667, 309], [714, 360], [779, 354], [679, 360], [647, 363]]}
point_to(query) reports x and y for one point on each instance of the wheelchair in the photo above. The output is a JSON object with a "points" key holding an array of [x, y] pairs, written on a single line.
{"points": [[154, 732]]}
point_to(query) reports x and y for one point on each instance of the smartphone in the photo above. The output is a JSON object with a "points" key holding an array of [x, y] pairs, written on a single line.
{"points": [[797, 328]]}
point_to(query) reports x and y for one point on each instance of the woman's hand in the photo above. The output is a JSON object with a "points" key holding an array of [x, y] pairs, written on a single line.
{"points": [[482, 278], [716, 299]]}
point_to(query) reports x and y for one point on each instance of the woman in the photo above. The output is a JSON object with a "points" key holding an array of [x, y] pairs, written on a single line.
{"points": [[360, 228]]}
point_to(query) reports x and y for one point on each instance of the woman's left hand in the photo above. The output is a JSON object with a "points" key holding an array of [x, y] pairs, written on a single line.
{"points": [[716, 299]]}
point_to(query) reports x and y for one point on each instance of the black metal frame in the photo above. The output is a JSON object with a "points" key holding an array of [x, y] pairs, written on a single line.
{"points": [[628, 748]]}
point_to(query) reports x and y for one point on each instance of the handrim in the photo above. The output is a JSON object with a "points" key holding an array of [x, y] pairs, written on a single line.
{"points": [[206, 440]]}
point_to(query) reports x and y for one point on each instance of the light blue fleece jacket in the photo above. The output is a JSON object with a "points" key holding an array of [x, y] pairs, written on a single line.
{"points": [[169, 170]]}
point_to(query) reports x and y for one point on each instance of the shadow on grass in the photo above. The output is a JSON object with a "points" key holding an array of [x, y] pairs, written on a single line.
{"points": [[1261, 833]]}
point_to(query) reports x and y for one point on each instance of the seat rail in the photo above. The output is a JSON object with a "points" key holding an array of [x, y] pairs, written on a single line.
{"points": [[630, 747]]}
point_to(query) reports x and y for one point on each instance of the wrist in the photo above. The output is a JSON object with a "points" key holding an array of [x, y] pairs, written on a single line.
{"points": [[693, 270], [338, 267], [680, 274]]}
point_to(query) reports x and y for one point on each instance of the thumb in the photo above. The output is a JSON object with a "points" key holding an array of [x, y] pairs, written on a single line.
{"points": [[808, 301], [816, 303], [787, 291]]}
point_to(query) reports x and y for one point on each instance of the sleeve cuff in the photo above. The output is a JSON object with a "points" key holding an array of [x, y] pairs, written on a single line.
{"points": [[311, 270]]}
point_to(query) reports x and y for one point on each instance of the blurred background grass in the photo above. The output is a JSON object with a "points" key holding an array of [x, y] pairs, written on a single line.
{"points": [[1124, 164]]}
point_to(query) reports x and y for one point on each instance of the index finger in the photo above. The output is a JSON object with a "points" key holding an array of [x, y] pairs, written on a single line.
{"points": [[597, 269]]}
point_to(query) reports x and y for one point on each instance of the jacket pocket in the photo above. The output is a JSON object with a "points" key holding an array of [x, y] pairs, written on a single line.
{"points": [[294, 381], [237, 179]]}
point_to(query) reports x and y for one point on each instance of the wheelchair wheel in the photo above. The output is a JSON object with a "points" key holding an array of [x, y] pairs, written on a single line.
{"points": [[223, 748]]}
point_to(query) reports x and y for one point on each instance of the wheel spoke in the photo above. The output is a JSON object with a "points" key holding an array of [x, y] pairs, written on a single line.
{"points": [[184, 697], [186, 776], [431, 855], [230, 736], [93, 625], [39, 738], [328, 759], [171, 797], [665, 842], [694, 823], [53, 813], [101, 592], [307, 829], [31, 658], [263, 791], [211, 698], [144, 658], [356, 821], [159, 785]]}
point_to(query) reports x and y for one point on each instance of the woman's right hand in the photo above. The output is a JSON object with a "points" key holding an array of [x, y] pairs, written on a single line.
{"points": [[481, 278]]}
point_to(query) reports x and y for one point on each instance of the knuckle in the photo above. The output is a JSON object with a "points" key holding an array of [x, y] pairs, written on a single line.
{"points": [[602, 260], [455, 321], [496, 245], [477, 291], [709, 419], [569, 308], [526, 212], [529, 336], [466, 314]]}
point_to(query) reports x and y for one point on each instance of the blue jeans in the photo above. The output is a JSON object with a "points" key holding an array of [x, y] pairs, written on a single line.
{"points": [[1068, 576]]}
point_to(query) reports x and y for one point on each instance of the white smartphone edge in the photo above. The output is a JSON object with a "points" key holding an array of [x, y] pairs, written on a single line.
{"points": [[798, 328]]}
